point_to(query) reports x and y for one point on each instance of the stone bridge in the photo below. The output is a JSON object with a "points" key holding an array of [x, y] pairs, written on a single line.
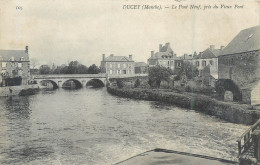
{"points": [[80, 80]]}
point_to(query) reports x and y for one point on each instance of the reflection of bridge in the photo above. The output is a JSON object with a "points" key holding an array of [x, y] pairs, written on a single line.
{"points": [[80, 80]]}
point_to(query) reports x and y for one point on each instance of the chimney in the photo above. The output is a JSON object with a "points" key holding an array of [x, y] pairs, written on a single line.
{"points": [[160, 47], [152, 53], [112, 55], [26, 49], [212, 47], [130, 57], [222, 47], [103, 57]]}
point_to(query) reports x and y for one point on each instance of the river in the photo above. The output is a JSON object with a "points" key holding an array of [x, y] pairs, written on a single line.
{"points": [[90, 126]]}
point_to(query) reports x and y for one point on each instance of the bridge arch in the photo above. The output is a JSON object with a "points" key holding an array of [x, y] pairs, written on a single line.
{"points": [[95, 83], [72, 83], [223, 85], [47, 82]]}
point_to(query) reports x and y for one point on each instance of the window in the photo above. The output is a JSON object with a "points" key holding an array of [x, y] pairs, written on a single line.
{"points": [[19, 64], [203, 63], [118, 71], [4, 64], [111, 65], [197, 63], [12, 59], [124, 65], [118, 65], [168, 63], [110, 72], [22, 58], [124, 71], [211, 62]]}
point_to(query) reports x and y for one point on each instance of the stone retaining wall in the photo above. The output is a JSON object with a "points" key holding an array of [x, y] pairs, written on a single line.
{"points": [[235, 113]]}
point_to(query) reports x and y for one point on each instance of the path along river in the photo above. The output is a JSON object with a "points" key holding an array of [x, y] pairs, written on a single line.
{"points": [[90, 126]]}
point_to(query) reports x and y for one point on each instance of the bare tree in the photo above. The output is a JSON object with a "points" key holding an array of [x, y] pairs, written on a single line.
{"points": [[34, 63]]}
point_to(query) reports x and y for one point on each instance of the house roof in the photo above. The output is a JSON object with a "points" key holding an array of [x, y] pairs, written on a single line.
{"points": [[6, 55], [118, 59], [140, 64], [166, 48], [208, 54], [246, 40]]}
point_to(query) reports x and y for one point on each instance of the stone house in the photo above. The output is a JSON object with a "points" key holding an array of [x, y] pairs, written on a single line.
{"points": [[239, 62], [117, 65], [208, 57], [141, 68], [165, 57], [15, 63]]}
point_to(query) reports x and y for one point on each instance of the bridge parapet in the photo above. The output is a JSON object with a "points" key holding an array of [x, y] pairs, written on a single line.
{"points": [[55, 76]]}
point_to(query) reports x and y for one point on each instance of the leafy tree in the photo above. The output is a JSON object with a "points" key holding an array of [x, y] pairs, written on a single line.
{"points": [[189, 70], [137, 83], [76, 68], [119, 83], [158, 74], [93, 69], [45, 69]]}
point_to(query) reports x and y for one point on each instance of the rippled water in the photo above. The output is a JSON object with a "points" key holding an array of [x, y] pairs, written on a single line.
{"points": [[89, 126]]}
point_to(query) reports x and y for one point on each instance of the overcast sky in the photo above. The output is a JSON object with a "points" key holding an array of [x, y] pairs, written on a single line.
{"points": [[63, 30]]}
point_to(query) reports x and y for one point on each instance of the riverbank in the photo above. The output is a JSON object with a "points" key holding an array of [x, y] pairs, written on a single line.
{"points": [[19, 90], [231, 112]]}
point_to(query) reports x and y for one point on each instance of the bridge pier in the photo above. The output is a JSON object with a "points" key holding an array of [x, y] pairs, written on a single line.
{"points": [[59, 84]]}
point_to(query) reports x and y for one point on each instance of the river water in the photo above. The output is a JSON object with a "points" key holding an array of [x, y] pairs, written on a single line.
{"points": [[90, 126]]}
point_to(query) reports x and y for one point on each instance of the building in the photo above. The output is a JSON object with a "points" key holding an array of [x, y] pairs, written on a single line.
{"points": [[14, 63], [239, 62], [208, 57], [117, 65], [187, 57], [141, 68], [165, 57]]}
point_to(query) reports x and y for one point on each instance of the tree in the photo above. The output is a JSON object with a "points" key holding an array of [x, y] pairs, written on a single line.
{"points": [[93, 69], [44, 69], [158, 74], [34, 63], [137, 83], [189, 70], [76, 68], [119, 83]]}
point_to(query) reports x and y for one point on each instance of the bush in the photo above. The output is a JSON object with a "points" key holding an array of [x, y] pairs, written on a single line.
{"points": [[13, 81], [119, 83], [150, 82], [137, 83]]}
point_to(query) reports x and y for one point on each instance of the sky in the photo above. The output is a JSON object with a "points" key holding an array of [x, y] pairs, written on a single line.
{"points": [[59, 31]]}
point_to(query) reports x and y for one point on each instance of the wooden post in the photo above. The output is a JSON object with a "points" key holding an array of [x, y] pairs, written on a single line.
{"points": [[239, 147], [256, 141]]}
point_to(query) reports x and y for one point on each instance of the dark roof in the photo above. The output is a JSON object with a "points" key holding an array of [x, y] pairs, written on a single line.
{"points": [[6, 55], [166, 48], [118, 58], [208, 53], [139, 64], [246, 40]]}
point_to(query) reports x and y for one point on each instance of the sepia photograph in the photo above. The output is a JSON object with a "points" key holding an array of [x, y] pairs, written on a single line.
{"points": [[130, 82]]}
